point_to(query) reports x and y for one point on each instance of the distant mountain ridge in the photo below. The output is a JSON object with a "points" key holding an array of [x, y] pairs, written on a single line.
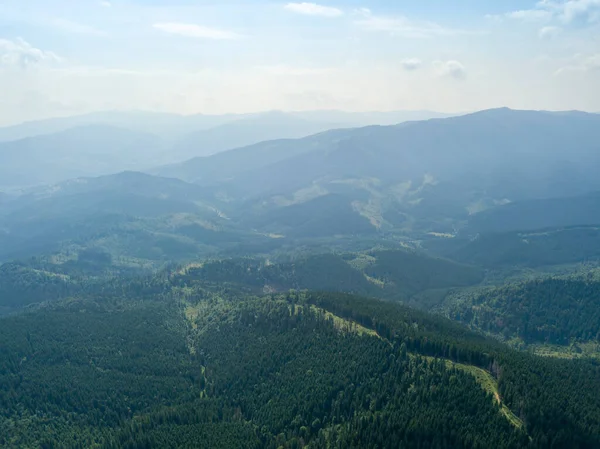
{"points": [[174, 127], [89, 150], [247, 131], [398, 176], [582, 210], [50, 151], [343, 187]]}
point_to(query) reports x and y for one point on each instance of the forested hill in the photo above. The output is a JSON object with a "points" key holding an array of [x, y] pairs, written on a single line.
{"points": [[397, 275], [344, 189], [173, 361], [551, 213], [390, 274], [555, 310], [545, 247], [242, 307]]}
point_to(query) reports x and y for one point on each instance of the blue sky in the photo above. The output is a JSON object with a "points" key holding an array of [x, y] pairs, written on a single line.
{"points": [[62, 57]]}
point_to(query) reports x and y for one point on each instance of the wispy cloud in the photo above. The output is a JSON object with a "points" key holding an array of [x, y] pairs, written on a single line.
{"points": [[402, 26], [530, 15], [20, 53], [585, 10], [549, 32], [452, 69], [411, 64], [196, 31], [361, 12], [286, 70], [313, 9], [524, 15], [582, 63], [106, 4], [570, 11], [74, 27]]}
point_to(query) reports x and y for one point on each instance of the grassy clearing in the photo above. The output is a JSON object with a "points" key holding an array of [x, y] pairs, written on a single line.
{"points": [[371, 211], [185, 270], [483, 378], [379, 283], [195, 314], [575, 351], [341, 324], [344, 325], [362, 262], [191, 314], [443, 235], [489, 384]]}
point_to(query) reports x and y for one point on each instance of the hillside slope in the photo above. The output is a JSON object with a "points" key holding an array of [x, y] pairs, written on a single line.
{"points": [[166, 361], [539, 214], [83, 151], [429, 175], [555, 310]]}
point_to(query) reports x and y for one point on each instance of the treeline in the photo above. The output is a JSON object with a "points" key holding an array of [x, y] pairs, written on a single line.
{"points": [[556, 399], [173, 360], [533, 249], [551, 310], [305, 382], [396, 275], [264, 373]]}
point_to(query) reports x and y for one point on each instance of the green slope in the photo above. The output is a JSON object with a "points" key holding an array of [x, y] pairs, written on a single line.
{"points": [[545, 247], [555, 310], [398, 275], [583, 210], [160, 362]]}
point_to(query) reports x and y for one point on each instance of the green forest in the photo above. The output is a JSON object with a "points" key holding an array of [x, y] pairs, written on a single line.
{"points": [[306, 279], [184, 359], [556, 310]]}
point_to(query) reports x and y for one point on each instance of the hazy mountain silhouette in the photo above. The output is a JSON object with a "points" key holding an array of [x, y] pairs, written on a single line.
{"points": [[89, 150]]}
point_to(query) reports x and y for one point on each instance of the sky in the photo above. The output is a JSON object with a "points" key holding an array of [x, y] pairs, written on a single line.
{"points": [[67, 57]]}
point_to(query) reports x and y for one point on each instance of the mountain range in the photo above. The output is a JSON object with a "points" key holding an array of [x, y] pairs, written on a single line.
{"points": [[96, 144], [435, 171], [174, 127], [492, 171], [377, 287]]}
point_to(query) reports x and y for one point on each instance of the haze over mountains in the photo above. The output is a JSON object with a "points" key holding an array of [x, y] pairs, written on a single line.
{"points": [[173, 127], [179, 295], [446, 176], [108, 142], [430, 170], [313, 275]]}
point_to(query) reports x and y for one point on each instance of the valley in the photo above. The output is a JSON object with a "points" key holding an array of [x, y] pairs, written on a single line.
{"points": [[351, 287], [321, 224]]}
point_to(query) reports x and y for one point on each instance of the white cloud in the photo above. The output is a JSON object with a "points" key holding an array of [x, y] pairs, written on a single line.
{"points": [[549, 32], [586, 10], [524, 15], [287, 70], [570, 11], [452, 69], [313, 9], [593, 62], [196, 31], [494, 17], [530, 15], [582, 63], [74, 27], [106, 4], [19, 53], [411, 63], [402, 26], [361, 12]]}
